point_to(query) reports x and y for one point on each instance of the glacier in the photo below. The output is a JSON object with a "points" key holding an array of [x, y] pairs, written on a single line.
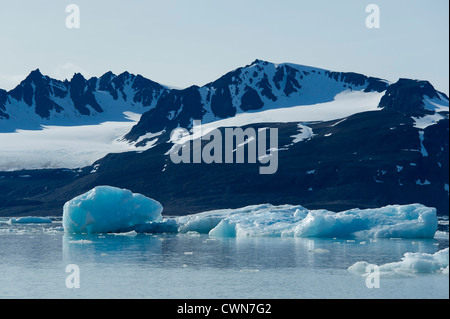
{"points": [[107, 209]]}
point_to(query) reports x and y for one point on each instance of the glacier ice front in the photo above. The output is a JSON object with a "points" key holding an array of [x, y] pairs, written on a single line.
{"points": [[108, 209], [397, 221]]}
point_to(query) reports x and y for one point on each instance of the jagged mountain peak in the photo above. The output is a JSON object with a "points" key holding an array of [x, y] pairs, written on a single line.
{"points": [[35, 74], [108, 75], [77, 76], [35, 77]]}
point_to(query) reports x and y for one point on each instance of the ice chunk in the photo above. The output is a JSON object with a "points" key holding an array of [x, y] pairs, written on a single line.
{"points": [[30, 220], [411, 263], [330, 225], [359, 268], [225, 228], [80, 241], [201, 223], [445, 271], [256, 220], [108, 209], [408, 221]]}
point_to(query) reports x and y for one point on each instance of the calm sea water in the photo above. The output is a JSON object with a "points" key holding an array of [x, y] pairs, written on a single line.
{"points": [[33, 261]]}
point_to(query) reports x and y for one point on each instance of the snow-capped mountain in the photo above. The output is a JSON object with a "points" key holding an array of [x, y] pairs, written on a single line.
{"points": [[256, 87], [345, 140], [41, 100], [47, 123]]}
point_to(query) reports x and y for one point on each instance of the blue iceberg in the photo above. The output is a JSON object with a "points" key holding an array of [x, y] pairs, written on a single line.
{"points": [[106, 209]]}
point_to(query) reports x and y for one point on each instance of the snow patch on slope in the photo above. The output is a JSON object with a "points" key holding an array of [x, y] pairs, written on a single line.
{"points": [[345, 104]]}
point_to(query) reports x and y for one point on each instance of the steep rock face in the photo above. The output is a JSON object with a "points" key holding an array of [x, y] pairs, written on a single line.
{"points": [[184, 105], [38, 91], [407, 96], [258, 86], [81, 93], [3, 99]]}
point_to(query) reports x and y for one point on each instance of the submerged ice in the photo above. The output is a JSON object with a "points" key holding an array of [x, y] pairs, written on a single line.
{"points": [[108, 209]]}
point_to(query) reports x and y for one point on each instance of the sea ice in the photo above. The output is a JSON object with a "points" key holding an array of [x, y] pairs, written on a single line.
{"points": [[107, 209]]}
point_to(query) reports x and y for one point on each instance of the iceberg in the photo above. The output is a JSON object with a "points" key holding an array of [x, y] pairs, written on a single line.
{"points": [[30, 220], [411, 263], [252, 221], [106, 209], [396, 221]]}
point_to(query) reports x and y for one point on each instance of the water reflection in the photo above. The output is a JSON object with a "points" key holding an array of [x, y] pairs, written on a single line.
{"points": [[34, 260], [201, 251]]}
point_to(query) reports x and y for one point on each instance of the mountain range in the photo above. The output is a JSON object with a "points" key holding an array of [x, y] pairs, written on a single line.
{"points": [[40, 100], [345, 139]]}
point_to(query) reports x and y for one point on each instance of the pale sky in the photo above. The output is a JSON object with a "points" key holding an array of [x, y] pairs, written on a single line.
{"points": [[186, 42]]}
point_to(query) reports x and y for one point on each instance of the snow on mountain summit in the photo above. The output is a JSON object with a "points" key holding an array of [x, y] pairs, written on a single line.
{"points": [[41, 100], [258, 87]]}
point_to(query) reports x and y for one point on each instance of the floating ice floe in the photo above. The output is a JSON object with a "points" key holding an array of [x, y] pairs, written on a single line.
{"points": [[411, 263], [107, 209]]}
